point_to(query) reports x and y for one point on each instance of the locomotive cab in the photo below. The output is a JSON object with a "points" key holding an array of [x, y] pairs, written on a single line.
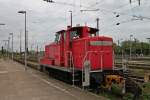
{"points": [[87, 46], [79, 55], [72, 48]]}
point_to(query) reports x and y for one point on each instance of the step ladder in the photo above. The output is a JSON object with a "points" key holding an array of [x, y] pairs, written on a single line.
{"points": [[86, 74], [75, 77], [75, 74]]}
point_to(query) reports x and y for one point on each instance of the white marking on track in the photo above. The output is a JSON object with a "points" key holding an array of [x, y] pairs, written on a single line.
{"points": [[87, 91], [5, 72]]}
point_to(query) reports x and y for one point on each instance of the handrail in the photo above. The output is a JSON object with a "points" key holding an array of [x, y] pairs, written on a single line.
{"points": [[71, 59], [84, 59], [70, 52], [91, 52]]}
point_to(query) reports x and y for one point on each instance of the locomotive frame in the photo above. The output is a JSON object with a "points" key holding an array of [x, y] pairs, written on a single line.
{"points": [[73, 58]]}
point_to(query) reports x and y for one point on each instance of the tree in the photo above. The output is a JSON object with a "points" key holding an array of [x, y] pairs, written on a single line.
{"points": [[137, 47]]}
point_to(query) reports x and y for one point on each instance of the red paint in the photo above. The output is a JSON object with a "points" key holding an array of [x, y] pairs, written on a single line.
{"points": [[99, 52]]}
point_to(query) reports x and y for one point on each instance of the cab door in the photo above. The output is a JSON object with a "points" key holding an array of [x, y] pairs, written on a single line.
{"points": [[62, 49]]}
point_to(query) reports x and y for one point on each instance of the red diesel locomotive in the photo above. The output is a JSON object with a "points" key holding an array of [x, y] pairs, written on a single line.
{"points": [[78, 55]]}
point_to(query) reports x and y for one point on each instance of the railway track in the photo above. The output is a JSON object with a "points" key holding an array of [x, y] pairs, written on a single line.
{"points": [[135, 65], [137, 78], [128, 75]]}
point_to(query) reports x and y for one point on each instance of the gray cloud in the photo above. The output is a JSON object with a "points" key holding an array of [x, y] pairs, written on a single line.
{"points": [[43, 19]]}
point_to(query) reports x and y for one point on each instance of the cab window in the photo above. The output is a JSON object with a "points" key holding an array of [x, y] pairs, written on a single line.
{"points": [[57, 37]]}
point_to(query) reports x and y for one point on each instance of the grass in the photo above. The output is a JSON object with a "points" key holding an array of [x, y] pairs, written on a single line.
{"points": [[114, 94], [128, 96], [146, 91]]}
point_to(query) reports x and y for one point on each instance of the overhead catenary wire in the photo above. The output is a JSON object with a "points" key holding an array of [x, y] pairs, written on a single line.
{"points": [[63, 3], [105, 10], [132, 15], [122, 22], [114, 12], [102, 9]]}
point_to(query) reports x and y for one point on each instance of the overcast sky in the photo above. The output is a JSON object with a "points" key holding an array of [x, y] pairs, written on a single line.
{"points": [[44, 19]]}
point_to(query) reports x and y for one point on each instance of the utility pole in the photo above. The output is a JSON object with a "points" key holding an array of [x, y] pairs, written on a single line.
{"points": [[118, 43], [12, 46], [135, 45], [5, 48], [27, 42], [141, 48], [8, 46], [20, 43], [2, 50], [37, 49], [70, 18], [149, 44], [26, 48], [139, 2], [97, 20], [130, 1], [25, 13], [131, 46]]}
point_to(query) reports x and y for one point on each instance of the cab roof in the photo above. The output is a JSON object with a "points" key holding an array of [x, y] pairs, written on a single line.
{"points": [[61, 31], [91, 30]]}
